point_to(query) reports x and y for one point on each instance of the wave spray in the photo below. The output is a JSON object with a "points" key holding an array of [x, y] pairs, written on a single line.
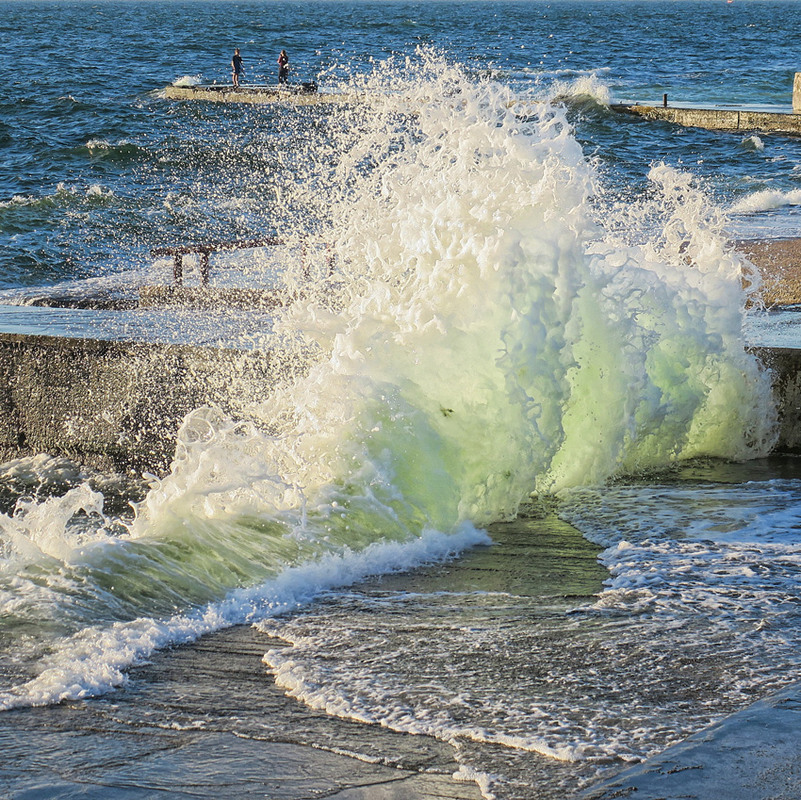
{"points": [[496, 326]]}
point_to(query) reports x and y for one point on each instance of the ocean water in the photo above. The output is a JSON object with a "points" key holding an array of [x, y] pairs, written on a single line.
{"points": [[535, 333]]}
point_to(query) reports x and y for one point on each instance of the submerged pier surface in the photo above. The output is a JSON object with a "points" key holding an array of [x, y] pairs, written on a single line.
{"points": [[145, 742], [722, 119], [751, 755]]}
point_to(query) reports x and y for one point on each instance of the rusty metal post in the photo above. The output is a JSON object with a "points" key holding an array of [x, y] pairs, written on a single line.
{"points": [[178, 269], [664, 100], [204, 268]]}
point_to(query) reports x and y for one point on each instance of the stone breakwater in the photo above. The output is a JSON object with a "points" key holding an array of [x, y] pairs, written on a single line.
{"points": [[718, 119], [300, 94]]}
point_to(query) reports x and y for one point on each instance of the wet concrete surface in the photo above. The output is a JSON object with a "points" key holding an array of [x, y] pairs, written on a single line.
{"points": [[206, 721], [752, 755]]}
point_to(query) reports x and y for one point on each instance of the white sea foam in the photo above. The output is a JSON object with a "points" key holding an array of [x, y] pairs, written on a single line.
{"points": [[94, 660], [481, 779], [766, 200], [582, 86], [188, 80], [96, 190], [753, 142], [62, 194], [39, 530], [41, 469], [360, 698]]}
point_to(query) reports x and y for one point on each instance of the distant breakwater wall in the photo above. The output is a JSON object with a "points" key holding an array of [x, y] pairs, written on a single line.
{"points": [[118, 405], [718, 118], [113, 405]]}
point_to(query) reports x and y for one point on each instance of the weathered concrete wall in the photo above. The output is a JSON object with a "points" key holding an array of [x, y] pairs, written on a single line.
{"points": [[718, 119], [118, 405], [113, 405], [785, 364]]}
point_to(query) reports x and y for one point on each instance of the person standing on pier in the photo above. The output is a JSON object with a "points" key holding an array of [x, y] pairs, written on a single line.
{"points": [[283, 67], [236, 67]]}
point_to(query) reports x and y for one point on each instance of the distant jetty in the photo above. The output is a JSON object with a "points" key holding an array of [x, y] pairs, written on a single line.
{"points": [[723, 119], [300, 94], [718, 119]]}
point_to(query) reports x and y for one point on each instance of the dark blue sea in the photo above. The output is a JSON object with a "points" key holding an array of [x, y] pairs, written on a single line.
{"points": [[512, 522], [96, 168]]}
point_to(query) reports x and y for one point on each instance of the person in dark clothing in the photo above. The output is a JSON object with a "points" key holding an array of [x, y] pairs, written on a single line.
{"points": [[283, 67], [236, 68]]}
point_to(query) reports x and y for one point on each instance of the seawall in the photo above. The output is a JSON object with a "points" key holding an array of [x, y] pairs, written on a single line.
{"points": [[113, 405], [718, 118], [785, 366], [118, 405]]}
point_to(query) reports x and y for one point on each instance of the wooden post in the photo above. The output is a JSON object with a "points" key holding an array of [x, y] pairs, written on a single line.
{"points": [[664, 100], [797, 93]]}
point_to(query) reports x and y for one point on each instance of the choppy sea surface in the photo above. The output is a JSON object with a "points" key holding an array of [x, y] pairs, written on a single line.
{"points": [[535, 329]]}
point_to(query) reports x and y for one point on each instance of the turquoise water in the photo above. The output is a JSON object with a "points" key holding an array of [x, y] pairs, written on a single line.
{"points": [[535, 327]]}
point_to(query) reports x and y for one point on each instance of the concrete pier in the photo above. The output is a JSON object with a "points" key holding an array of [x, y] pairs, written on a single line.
{"points": [[720, 119], [117, 405], [219, 93]]}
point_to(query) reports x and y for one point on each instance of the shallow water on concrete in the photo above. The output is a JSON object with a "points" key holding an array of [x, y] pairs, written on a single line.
{"points": [[230, 328], [642, 656]]}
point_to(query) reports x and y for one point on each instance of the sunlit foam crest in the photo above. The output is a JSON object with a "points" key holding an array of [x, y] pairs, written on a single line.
{"points": [[493, 333], [188, 80], [752, 142], [40, 530], [665, 355], [582, 87], [766, 200], [493, 328], [444, 352]]}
